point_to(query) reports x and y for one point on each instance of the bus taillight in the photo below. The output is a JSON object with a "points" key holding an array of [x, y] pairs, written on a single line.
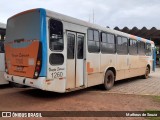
{"points": [[37, 69], [6, 68]]}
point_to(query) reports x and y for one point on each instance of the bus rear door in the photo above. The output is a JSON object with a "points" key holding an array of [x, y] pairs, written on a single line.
{"points": [[75, 60]]}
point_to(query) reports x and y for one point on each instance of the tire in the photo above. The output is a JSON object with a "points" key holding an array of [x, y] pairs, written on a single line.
{"points": [[109, 80], [146, 75]]}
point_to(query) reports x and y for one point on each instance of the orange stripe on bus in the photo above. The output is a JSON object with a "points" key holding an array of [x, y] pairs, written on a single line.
{"points": [[133, 37], [89, 69], [144, 40], [152, 42]]}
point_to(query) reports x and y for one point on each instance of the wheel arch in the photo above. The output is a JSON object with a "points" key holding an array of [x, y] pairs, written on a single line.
{"points": [[112, 69], [149, 68]]}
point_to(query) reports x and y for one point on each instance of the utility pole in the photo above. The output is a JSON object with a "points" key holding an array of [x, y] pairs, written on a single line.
{"points": [[93, 16]]}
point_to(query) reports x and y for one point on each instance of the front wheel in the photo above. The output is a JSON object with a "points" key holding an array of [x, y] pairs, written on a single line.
{"points": [[146, 75], [109, 80]]}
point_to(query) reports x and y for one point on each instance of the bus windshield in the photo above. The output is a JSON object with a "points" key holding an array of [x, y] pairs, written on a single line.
{"points": [[24, 26]]}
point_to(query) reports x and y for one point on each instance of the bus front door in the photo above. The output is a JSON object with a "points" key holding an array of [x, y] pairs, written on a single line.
{"points": [[75, 60]]}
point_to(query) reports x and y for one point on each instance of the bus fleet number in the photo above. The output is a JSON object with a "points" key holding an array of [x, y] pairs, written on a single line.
{"points": [[57, 74]]}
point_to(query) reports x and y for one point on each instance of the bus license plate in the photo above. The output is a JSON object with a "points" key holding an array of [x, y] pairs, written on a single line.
{"points": [[19, 68]]}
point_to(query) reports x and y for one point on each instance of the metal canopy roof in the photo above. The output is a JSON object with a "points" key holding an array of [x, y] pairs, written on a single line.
{"points": [[152, 33]]}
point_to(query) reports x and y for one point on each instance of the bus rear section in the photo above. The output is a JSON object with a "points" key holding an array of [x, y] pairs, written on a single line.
{"points": [[24, 47]]}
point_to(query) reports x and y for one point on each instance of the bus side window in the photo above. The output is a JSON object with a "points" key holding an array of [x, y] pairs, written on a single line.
{"points": [[56, 59], [107, 43], [148, 49], [56, 35], [141, 48], [93, 41], [133, 48], [122, 45]]}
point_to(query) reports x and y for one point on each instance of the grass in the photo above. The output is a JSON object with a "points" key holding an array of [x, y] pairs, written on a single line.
{"points": [[153, 112], [156, 98]]}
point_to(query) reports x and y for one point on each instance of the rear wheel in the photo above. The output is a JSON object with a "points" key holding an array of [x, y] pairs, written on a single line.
{"points": [[146, 75], [109, 80]]}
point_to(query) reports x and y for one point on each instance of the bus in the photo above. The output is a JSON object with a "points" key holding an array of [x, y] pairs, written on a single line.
{"points": [[55, 52], [2, 60]]}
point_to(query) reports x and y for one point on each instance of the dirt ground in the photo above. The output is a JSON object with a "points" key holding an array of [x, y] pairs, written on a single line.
{"points": [[90, 99], [26, 99]]}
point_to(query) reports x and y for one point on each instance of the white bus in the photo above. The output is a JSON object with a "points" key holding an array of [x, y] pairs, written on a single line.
{"points": [[55, 52], [2, 63]]}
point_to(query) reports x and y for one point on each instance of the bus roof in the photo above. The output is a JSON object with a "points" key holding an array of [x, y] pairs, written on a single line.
{"points": [[90, 25], [85, 24], [2, 25]]}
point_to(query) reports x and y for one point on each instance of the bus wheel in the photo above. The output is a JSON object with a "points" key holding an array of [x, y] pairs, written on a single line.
{"points": [[109, 80], [146, 75]]}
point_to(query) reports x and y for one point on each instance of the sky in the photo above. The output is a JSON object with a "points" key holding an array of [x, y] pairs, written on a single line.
{"points": [[110, 13]]}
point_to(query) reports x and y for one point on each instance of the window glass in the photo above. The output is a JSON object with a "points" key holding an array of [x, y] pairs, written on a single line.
{"points": [[56, 35], [124, 41], [119, 40], [90, 34], [141, 48], [96, 36], [148, 49], [1, 47], [70, 46], [56, 59], [25, 27], [2, 37], [108, 43], [122, 45], [80, 43], [93, 41], [104, 37], [133, 47], [110, 38]]}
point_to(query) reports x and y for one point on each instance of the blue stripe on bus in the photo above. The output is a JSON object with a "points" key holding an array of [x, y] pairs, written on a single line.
{"points": [[139, 39], [43, 39], [148, 41]]}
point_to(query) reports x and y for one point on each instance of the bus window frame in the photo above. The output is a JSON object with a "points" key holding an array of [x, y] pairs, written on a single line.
{"points": [[93, 29], [130, 52], [146, 52], [120, 53], [51, 18], [115, 50], [139, 50]]}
